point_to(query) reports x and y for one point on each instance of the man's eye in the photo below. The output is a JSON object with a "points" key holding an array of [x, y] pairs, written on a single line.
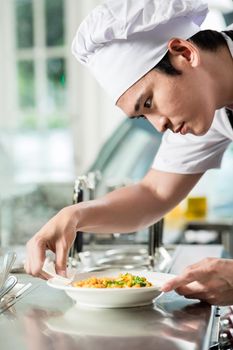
{"points": [[141, 116], [138, 117], [147, 103]]}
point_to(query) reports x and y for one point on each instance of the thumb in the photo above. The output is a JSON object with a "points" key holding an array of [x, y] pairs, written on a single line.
{"points": [[61, 260]]}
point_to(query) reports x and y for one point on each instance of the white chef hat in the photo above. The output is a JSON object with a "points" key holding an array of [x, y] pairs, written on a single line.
{"points": [[121, 40]]}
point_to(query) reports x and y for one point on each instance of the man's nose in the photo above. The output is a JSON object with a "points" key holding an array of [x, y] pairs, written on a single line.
{"points": [[161, 123]]}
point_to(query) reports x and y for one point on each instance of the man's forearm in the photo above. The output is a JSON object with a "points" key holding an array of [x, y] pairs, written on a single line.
{"points": [[125, 210], [131, 208]]}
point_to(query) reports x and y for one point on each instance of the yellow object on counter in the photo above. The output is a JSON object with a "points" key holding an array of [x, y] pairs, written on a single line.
{"points": [[126, 280], [196, 208]]}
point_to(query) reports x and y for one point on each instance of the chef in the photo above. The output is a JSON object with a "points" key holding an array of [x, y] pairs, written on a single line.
{"points": [[156, 63]]}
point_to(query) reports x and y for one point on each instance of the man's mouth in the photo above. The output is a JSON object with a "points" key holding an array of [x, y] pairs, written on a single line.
{"points": [[184, 129], [179, 128]]}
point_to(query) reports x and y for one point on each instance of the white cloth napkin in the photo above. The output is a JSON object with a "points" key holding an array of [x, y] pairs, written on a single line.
{"points": [[49, 268]]}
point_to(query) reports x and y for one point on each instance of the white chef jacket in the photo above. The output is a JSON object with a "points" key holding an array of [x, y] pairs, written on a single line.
{"points": [[190, 154]]}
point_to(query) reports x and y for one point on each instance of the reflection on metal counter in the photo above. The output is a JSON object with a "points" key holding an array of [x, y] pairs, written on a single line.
{"points": [[159, 258], [84, 189], [93, 178], [78, 196]]}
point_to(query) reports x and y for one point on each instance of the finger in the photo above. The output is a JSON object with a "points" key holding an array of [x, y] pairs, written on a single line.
{"points": [[45, 275], [174, 283], [191, 288], [35, 256], [40, 275], [185, 278], [61, 259], [198, 296]]}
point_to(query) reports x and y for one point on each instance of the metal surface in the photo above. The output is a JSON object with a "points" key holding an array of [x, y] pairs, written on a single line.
{"points": [[47, 319], [10, 299], [78, 196], [223, 228], [8, 285], [158, 257], [8, 262]]}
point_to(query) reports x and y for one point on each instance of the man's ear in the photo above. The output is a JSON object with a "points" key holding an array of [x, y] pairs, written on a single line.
{"points": [[185, 50]]}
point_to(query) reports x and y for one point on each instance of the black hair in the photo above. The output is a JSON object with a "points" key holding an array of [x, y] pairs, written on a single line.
{"points": [[210, 40]]}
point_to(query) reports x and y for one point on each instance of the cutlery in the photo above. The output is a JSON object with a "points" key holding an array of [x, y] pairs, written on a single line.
{"points": [[8, 262], [9, 298], [8, 285]]}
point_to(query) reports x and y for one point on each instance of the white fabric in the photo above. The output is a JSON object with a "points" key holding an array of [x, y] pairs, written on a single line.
{"points": [[121, 40], [189, 154], [49, 268]]}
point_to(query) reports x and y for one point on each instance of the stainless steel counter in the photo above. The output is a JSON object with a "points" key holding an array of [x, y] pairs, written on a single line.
{"points": [[47, 319]]}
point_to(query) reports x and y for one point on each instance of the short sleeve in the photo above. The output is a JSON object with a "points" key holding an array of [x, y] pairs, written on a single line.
{"points": [[190, 154]]}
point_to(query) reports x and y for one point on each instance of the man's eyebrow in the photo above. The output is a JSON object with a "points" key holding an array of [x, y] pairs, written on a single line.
{"points": [[137, 104], [136, 107]]}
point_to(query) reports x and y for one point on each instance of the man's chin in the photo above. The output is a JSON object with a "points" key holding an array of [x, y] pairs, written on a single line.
{"points": [[199, 132]]}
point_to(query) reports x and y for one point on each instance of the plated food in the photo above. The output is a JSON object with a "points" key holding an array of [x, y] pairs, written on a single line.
{"points": [[113, 297], [123, 280]]}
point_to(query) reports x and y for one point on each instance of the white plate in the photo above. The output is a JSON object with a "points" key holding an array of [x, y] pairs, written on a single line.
{"points": [[116, 297]]}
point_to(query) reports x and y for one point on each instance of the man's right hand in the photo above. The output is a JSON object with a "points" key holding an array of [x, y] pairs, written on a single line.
{"points": [[56, 235]]}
